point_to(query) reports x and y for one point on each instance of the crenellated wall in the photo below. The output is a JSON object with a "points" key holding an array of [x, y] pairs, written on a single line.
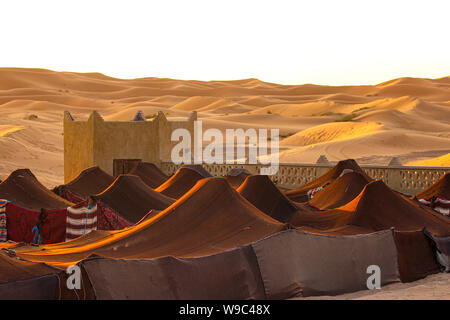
{"points": [[97, 142]]}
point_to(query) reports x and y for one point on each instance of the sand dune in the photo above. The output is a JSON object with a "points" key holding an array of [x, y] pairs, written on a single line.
{"points": [[391, 143], [334, 131], [405, 117], [439, 161]]}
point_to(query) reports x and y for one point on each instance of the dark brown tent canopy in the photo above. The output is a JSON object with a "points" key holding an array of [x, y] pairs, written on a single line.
{"points": [[232, 274], [150, 174], [260, 191], [180, 183], [210, 218], [130, 197], [297, 263], [341, 191], [27, 280], [377, 207], [300, 194], [441, 188], [89, 182], [199, 168], [237, 176], [22, 188]]}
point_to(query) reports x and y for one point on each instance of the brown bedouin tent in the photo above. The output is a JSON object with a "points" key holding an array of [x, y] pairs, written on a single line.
{"points": [[228, 275], [260, 191], [212, 236], [341, 191], [180, 183], [237, 176], [297, 263], [150, 174], [284, 265], [130, 197], [27, 280], [89, 182], [379, 208], [22, 188], [300, 194], [441, 188], [416, 255], [210, 218], [199, 168]]}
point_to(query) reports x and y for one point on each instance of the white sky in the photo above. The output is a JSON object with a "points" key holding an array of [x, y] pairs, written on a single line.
{"points": [[291, 42]]}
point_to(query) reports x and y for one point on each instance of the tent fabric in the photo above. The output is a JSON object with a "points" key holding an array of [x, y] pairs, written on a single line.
{"points": [[228, 275], [22, 188], [13, 269], [444, 261], [199, 169], [132, 199], [69, 195], [236, 181], [260, 191], [180, 183], [237, 172], [109, 219], [39, 288], [341, 191], [31, 226], [416, 257], [300, 194], [442, 206], [378, 207], [210, 218], [322, 220], [344, 230], [3, 221], [237, 176], [21, 279], [80, 220], [89, 182], [439, 204], [442, 242], [150, 174], [296, 263], [440, 188]]}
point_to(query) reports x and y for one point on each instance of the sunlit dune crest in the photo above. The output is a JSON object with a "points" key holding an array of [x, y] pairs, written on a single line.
{"points": [[438, 161]]}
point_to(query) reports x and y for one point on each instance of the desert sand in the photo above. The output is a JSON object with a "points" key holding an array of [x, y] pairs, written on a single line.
{"points": [[407, 117], [434, 287]]}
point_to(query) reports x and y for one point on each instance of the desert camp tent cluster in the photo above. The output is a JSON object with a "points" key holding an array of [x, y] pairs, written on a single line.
{"points": [[194, 236]]}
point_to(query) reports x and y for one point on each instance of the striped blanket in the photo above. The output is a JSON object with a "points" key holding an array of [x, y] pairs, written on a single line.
{"points": [[311, 192], [438, 204], [3, 225], [81, 219]]}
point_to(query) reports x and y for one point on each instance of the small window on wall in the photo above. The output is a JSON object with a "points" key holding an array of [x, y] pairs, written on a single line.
{"points": [[124, 166]]}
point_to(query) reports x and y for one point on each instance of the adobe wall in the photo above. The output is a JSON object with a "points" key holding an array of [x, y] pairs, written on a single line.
{"points": [[98, 142], [78, 146]]}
